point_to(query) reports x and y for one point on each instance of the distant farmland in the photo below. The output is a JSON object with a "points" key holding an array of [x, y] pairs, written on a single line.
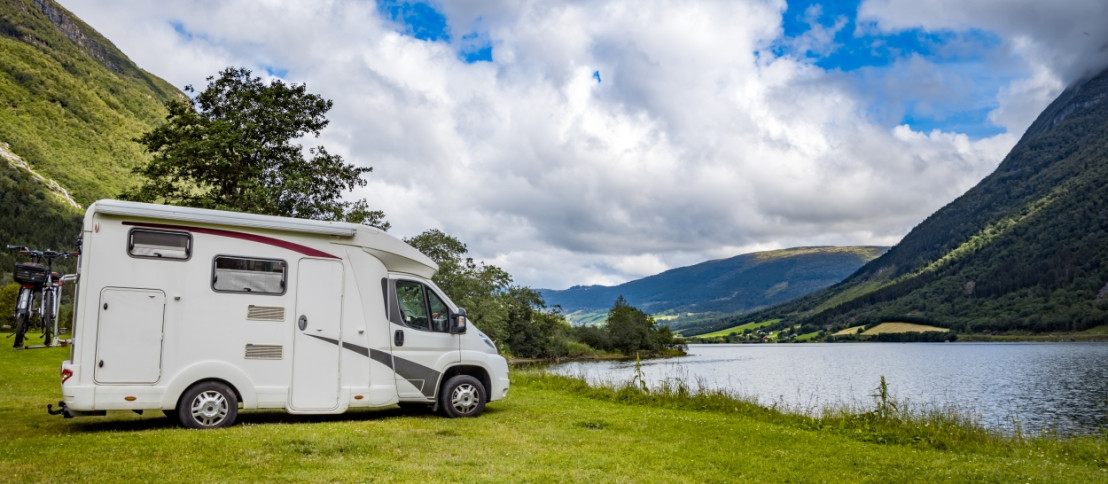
{"points": [[892, 328]]}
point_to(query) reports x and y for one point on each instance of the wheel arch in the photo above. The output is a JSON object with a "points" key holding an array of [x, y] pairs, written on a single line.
{"points": [[478, 372], [234, 378], [235, 389]]}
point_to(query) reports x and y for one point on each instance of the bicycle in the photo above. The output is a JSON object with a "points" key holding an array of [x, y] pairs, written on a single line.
{"points": [[34, 277]]}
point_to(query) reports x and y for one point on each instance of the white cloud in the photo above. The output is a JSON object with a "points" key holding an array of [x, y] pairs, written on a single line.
{"points": [[1059, 41], [697, 144]]}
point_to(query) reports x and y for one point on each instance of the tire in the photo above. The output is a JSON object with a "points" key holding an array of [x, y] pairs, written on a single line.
{"points": [[172, 416], [463, 396], [208, 405], [47, 317], [21, 323]]}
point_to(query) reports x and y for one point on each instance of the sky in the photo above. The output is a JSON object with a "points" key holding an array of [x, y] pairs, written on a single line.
{"points": [[578, 142]]}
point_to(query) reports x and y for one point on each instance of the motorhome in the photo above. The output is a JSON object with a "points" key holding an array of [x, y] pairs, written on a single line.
{"points": [[199, 313]]}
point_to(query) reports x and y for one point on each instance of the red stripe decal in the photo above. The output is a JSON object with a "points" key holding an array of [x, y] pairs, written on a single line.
{"points": [[261, 239]]}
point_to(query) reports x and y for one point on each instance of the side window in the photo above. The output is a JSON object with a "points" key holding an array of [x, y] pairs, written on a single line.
{"points": [[421, 308], [244, 274], [412, 307], [439, 312], [159, 244]]}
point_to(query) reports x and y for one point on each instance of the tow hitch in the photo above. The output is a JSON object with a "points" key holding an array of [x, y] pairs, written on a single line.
{"points": [[62, 410]]}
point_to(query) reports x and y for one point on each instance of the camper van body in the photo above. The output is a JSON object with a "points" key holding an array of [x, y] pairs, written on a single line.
{"points": [[200, 312]]}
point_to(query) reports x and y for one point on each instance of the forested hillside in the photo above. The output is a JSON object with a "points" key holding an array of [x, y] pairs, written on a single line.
{"points": [[72, 104], [741, 283], [1023, 250]]}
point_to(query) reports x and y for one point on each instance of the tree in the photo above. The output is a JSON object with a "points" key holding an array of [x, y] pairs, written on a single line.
{"points": [[476, 287], [533, 332], [513, 316], [233, 148], [630, 329]]}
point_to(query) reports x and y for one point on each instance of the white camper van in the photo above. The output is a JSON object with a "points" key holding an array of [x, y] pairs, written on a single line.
{"points": [[198, 312]]}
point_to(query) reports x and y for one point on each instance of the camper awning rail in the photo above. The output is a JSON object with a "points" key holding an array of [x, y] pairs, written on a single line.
{"points": [[200, 215]]}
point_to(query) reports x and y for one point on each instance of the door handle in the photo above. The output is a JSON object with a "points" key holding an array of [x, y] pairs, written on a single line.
{"points": [[398, 338], [302, 323]]}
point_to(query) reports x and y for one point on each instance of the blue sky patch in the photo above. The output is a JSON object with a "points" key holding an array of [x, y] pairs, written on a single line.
{"points": [[475, 48], [480, 54], [181, 30], [828, 35], [421, 20], [275, 71]]}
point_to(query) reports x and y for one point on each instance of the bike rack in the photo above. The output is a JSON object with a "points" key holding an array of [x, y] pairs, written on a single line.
{"points": [[67, 279]]}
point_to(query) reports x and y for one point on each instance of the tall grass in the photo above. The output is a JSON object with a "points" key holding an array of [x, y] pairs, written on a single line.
{"points": [[887, 422]]}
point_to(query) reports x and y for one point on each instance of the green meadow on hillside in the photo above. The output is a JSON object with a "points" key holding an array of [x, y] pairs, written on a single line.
{"points": [[738, 329]]}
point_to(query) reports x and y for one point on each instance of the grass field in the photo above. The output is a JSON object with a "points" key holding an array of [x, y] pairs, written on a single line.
{"points": [[550, 429], [737, 329], [902, 328]]}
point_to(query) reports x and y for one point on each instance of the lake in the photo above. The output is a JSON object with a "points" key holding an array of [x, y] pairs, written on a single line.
{"points": [[1031, 387]]}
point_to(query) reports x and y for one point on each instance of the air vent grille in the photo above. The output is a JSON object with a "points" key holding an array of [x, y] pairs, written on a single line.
{"points": [[264, 352], [265, 313]]}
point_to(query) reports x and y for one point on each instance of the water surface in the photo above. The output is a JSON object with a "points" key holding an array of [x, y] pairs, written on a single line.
{"points": [[1030, 387]]}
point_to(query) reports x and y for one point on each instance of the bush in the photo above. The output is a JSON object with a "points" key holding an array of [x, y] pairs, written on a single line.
{"points": [[8, 295]]}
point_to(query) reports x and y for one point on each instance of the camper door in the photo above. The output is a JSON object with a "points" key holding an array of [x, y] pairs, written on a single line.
{"points": [[421, 339], [318, 335]]}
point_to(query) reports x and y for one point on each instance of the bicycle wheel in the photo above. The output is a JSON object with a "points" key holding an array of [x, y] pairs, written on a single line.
{"points": [[21, 322], [47, 317]]}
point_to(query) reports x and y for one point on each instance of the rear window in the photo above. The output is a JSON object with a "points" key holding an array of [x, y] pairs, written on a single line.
{"points": [[246, 274], [159, 244]]}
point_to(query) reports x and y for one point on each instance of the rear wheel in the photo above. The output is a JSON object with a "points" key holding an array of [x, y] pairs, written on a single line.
{"points": [[463, 396], [21, 323], [208, 405]]}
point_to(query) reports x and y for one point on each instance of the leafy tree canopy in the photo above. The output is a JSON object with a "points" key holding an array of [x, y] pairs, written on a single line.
{"points": [[514, 317], [630, 329], [476, 287], [233, 148]]}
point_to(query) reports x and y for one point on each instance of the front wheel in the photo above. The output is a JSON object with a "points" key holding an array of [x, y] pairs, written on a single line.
{"points": [[48, 317], [463, 396], [208, 405]]}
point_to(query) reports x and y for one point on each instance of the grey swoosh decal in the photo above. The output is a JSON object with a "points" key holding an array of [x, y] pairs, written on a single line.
{"points": [[407, 369]]}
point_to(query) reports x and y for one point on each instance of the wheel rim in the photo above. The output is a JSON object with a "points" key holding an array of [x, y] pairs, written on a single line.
{"points": [[465, 398], [209, 408]]}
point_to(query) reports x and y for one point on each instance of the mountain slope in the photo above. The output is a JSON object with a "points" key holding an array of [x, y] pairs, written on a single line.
{"points": [[1023, 250], [741, 283], [70, 105]]}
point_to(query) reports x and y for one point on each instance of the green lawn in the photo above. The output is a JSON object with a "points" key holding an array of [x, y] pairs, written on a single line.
{"points": [[550, 429]]}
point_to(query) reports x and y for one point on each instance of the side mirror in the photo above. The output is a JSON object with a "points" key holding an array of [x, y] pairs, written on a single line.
{"points": [[458, 322]]}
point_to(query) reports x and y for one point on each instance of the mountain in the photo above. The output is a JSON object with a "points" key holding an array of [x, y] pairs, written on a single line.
{"points": [[741, 283], [1024, 250], [70, 106]]}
